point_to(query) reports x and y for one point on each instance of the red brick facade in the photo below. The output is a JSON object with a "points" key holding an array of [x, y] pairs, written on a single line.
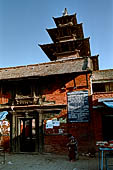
{"points": [[55, 142]]}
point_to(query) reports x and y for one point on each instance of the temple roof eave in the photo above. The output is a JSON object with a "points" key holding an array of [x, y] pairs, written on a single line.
{"points": [[100, 76], [57, 18], [63, 17], [50, 29], [52, 44], [44, 69], [82, 45], [73, 15], [54, 32]]}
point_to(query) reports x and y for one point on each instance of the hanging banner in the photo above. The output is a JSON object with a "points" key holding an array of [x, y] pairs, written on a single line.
{"points": [[78, 106]]}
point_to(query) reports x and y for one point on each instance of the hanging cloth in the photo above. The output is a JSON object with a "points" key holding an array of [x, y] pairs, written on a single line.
{"points": [[3, 115]]}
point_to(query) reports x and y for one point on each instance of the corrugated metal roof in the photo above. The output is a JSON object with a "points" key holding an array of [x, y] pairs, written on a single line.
{"points": [[45, 69]]}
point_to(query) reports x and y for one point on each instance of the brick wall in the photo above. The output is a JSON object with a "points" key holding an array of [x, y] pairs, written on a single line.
{"points": [[98, 95], [55, 90], [58, 88], [55, 142]]}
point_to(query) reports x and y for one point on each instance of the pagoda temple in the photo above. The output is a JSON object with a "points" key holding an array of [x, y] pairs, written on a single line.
{"points": [[69, 95], [68, 40]]}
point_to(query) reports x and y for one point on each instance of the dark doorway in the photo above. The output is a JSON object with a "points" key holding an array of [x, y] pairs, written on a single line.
{"points": [[108, 127], [27, 134]]}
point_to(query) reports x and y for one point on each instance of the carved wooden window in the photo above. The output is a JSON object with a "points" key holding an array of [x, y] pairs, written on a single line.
{"points": [[24, 89]]}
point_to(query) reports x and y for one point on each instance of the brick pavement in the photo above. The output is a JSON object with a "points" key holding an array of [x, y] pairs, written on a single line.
{"points": [[46, 162]]}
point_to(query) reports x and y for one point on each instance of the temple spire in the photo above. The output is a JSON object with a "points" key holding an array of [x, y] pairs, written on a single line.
{"points": [[65, 12]]}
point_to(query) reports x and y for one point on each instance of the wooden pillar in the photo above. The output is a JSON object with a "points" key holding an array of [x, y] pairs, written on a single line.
{"points": [[37, 132], [41, 137], [18, 135], [33, 89], [12, 131]]}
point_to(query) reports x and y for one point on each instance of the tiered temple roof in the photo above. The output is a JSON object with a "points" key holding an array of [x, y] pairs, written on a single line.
{"points": [[68, 39], [72, 48], [66, 33], [69, 48]]}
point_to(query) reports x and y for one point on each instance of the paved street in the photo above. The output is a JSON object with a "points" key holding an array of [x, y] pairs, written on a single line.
{"points": [[46, 162]]}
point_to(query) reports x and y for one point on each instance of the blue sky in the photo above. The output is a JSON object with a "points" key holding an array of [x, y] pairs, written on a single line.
{"points": [[23, 26]]}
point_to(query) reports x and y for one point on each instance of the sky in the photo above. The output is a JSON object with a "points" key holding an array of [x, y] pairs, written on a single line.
{"points": [[23, 25]]}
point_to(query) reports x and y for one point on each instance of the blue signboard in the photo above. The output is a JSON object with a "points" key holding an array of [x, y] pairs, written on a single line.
{"points": [[78, 106]]}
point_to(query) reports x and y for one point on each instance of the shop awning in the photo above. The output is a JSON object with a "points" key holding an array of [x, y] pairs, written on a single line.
{"points": [[109, 104], [3, 115], [106, 101]]}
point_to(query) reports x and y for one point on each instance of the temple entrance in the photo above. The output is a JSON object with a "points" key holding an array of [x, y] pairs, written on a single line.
{"points": [[27, 134], [107, 127]]}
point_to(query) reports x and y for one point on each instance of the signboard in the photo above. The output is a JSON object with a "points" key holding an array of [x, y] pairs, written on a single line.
{"points": [[78, 106]]}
